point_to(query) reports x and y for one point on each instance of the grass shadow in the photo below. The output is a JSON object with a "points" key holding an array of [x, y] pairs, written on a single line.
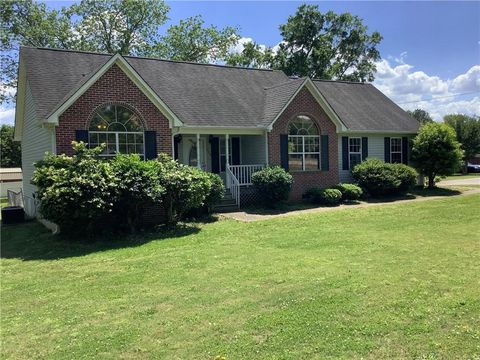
{"points": [[436, 191], [32, 241]]}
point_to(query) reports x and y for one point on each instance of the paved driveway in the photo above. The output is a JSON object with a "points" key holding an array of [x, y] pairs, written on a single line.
{"points": [[471, 181]]}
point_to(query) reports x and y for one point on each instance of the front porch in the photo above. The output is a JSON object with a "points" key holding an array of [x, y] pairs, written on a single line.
{"points": [[235, 163]]}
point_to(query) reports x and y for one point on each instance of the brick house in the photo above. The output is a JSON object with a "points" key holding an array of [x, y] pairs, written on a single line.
{"points": [[227, 120]]}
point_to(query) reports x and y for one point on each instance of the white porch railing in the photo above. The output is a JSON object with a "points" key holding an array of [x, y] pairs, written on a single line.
{"points": [[239, 175], [244, 172], [233, 184]]}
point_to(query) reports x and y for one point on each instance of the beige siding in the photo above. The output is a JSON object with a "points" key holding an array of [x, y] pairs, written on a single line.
{"points": [[253, 149], [375, 150], [36, 140]]}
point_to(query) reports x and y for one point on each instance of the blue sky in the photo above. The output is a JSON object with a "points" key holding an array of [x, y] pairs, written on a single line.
{"points": [[430, 51], [439, 37]]}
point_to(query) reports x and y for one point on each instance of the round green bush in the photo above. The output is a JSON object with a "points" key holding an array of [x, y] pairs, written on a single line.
{"points": [[217, 191], [273, 185], [350, 192], [379, 178], [407, 176], [328, 196]]}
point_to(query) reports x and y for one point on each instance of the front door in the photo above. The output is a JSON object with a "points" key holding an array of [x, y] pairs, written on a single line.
{"points": [[219, 153]]}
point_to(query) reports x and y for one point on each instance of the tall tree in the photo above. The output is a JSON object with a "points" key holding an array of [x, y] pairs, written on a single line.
{"points": [[321, 45], [10, 153], [436, 151], [32, 24], [190, 40], [467, 129], [420, 115], [129, 27], [125, 26]]}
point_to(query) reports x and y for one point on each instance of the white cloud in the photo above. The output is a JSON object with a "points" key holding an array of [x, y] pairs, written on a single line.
{"points": [[7, 116], [416, 89], [470, 81]]}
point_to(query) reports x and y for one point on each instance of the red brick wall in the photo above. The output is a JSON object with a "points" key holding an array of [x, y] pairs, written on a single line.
{"points": [[113, 87], [305, 104]]}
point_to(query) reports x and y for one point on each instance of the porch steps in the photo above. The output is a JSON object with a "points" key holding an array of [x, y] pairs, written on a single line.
{"points": [[227, 204]]}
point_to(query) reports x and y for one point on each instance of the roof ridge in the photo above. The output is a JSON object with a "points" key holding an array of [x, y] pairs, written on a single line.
{"points": [[343, 81], [152, 58], [66, 50], [290, 81]]}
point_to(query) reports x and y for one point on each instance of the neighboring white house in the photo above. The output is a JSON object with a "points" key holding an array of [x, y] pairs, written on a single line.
{"points": [[10, 179]]}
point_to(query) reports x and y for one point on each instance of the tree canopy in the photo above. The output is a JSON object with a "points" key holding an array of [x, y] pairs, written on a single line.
{"points": [[467, 130], [436, 151], [420, 115], [10, 153], [128, 27], [319, 45]]}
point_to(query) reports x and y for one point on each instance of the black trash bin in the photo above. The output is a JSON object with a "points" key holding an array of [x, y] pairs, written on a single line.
{"points": [[13, 215]]}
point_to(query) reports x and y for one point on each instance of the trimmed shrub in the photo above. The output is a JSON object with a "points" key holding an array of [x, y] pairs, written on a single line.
{"points": [[138, 187], [78, 192], [328, 196], [217, 191], [379, 178], [350, 192], [273, 185], [407, 176], [186, 187]]}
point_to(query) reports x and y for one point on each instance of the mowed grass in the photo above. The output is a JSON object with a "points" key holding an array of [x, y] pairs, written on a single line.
{"points": [[393, 281]]}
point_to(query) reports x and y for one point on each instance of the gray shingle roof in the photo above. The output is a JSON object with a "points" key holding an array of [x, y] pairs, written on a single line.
{"points": [[276, 98], [363, 107], [53, 75], [210, 95]]}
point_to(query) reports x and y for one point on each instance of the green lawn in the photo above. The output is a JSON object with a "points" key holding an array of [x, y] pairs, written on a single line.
{"points": [[461, 176], [393, 281]]}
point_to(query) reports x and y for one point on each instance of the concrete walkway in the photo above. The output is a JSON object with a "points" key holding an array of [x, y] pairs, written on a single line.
{"points": [[471, 181], [249, 216]]}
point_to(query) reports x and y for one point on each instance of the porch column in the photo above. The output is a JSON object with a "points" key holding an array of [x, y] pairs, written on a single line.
{"points": [[199, 165], [226, 150]]}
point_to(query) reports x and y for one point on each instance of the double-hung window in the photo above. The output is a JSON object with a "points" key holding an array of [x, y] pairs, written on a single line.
{"points": [[119, 128], [396, 150], [303, 144], [354, 151]]}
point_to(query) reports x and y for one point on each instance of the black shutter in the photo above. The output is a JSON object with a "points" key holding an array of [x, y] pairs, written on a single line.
{"points": [[284, 151], [405, 150], [81, 135], [150, 145], [345, 162], [215, 150], [176, 142], [364, 148], [324, 152], [386, 146], [235, 151]]}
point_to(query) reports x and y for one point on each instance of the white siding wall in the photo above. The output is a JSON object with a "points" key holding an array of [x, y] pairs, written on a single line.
{"points": [[375, 150], [36, 140], [253, 149]]}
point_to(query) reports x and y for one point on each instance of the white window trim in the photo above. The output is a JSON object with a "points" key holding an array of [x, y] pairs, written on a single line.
{"points": [[354, 152], [117, 143], [396, 152], [303, 153]]}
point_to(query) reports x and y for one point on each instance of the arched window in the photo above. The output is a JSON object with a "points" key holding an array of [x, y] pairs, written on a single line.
{"points": [[303, 144], [119, 128]]}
